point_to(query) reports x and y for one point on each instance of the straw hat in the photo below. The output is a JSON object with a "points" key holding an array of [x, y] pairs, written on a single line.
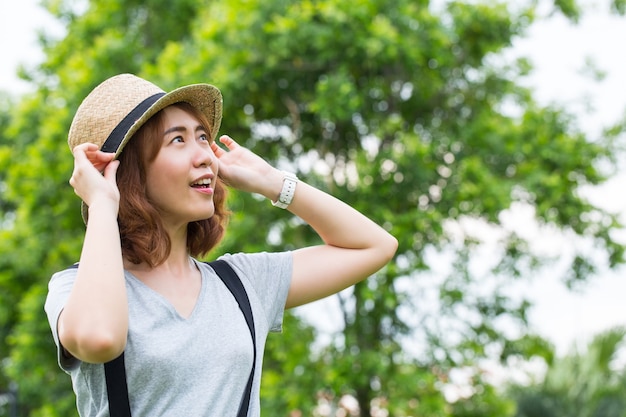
{"points": [[113, 112]]}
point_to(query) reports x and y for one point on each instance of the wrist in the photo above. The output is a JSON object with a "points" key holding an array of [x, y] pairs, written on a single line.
{"points": [[101, 207], [287, 191]]}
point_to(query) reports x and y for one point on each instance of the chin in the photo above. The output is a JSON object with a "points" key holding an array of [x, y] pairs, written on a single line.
{"points": [[201, 212], [203, 216]]}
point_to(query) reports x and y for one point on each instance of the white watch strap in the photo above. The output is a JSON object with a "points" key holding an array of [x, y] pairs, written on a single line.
{"points": [[289, 189]]}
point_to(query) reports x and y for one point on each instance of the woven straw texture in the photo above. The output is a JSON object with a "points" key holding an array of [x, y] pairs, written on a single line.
{"points": [[110, 102], [105, 107]]}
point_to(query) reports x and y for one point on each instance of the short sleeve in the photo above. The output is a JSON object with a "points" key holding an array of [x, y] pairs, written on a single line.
{"points": [[269, 275], [59, 289]]}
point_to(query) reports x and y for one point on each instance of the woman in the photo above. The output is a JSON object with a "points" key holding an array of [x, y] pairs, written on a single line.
{"points": [[151, 176]]}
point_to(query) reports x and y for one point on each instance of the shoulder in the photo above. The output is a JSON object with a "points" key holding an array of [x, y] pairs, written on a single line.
{"points": [[264, 273], [59, 288], [260, 263], [267, 278], [63, 276]]}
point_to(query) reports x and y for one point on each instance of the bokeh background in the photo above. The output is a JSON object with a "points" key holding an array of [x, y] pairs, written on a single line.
{"points": [[487, 136]]}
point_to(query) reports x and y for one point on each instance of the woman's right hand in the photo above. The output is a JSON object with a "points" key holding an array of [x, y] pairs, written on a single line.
{"points": [[88, 181], [93, 325]]}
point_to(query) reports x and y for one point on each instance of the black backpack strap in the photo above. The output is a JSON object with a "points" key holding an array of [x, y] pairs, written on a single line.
{"points": [[115, 370], [117, 390], [232, 281]]}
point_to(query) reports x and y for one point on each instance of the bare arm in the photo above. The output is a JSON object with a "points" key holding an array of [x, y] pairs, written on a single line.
{"points": [[94, 322], [354, 246]]}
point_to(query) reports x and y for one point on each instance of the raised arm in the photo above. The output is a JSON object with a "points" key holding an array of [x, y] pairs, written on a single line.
{"points": [[354, 246], [94, 322]]}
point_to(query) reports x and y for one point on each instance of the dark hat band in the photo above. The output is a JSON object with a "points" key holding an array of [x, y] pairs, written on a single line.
{"points": [[117, 135]]}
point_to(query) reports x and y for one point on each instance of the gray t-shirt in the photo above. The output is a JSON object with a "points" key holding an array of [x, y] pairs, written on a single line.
{"points": [[194, 367]]}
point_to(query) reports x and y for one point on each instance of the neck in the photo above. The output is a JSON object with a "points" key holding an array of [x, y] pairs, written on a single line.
{"points": [[178, 240], [178, 260]]}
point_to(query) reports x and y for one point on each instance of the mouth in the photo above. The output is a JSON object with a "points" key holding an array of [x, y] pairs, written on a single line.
{"points": [[202, 183]]}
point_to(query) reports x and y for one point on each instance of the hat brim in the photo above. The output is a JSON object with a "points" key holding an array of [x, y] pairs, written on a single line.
{"points": [[204, 97]]}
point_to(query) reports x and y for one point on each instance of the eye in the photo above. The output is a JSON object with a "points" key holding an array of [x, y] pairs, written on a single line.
{"points": [[204, 137], [178, 139]]}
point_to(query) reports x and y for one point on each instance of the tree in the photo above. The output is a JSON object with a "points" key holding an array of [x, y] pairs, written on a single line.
{"points": [[584, 383], [401, 109]]}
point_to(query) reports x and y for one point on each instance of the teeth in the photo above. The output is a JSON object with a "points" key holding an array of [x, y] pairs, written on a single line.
{"points": [[204, 181]]}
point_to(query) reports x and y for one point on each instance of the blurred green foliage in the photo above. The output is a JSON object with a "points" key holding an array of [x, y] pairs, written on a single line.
{"points": [[400, 109], [587, 382]]}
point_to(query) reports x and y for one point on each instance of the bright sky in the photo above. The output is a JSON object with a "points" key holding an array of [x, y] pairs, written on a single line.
{"points": [[19, 23], [559, 51]]}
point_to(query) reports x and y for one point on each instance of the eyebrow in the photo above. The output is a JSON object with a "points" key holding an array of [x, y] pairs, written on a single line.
{"points": [[183, 129]]}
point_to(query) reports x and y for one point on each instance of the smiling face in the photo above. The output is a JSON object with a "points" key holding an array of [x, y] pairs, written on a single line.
{"points": [[158, 194], [180, 180]]}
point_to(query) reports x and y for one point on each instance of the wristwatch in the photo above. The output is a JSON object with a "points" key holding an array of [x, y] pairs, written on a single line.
{"points": [[289, 189]]}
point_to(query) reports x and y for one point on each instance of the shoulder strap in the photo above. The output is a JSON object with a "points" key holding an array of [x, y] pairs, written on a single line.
{"points": [[115, 377], [232, 281], [117, 390], [115, 370]]}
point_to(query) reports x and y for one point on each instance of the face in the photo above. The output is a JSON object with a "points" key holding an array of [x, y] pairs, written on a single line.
{"points": [[181, 179]]}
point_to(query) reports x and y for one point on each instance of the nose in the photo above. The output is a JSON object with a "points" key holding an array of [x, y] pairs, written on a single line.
{"points": [[203, 156]]}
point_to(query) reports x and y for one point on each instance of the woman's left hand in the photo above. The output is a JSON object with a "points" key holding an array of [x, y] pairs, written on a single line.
{"points": [[354, 246], [244, 170]]}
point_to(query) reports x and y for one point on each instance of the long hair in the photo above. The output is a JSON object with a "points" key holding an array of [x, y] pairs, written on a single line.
{"points": [[143, 235]]}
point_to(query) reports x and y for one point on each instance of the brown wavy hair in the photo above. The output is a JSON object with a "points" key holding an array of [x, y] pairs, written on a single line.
{"points": [[143, 236]]}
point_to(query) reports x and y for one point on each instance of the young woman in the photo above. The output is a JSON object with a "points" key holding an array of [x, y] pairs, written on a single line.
{"points": [[151, 177]]}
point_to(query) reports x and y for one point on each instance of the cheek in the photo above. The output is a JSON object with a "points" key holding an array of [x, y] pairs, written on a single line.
{"points": [[152, 182], [215, 163], [160, 177]]}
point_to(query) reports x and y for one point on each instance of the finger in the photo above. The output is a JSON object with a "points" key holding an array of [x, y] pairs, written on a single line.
{"points": [[217, 150], [105, 156], [80, 156], [89, 152], [85, 147], [98, 155], [110, 171], [229, 142], [100, 159]]}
